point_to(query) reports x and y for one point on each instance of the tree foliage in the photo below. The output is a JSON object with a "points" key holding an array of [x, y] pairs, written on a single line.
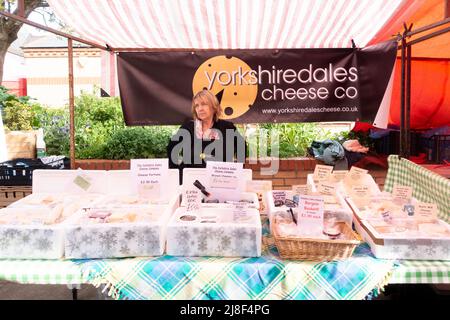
{"points": [[9, 28]]}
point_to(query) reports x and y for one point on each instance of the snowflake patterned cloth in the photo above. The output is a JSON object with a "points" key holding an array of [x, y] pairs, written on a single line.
{"points": [[107, 241], [217, 278], [28, 242], [231, 241], [256, 278]]}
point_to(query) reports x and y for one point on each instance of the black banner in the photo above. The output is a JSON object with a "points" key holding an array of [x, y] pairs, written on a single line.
{"points": [[255, 86]]}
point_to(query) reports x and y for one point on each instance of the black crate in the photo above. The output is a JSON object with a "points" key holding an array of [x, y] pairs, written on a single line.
{"points": [[390, 144], [19, 172], [437, 148]]}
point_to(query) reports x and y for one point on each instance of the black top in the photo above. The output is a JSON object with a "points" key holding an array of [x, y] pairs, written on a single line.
{"points": [[185, 150]]}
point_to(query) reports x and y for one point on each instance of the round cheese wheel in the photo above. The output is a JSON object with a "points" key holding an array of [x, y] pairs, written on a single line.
{"points": [[231, 83]]}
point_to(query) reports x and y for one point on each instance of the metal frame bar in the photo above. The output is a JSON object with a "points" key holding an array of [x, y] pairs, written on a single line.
{"points": [[428, 27], [21, 8], [408, 103], [71, 104], [59, 33], [402, 99], [70, 40], [405, 94], [447, 9], [429, 36]]}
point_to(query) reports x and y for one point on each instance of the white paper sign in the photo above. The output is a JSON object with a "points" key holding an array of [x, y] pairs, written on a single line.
{"points": [[360, 191], [355, 174], [300, 189], [402, 192], [425, 210], [322, 172], [325, 188], [149, 176], [193, 199], [239, 211], [338, 175], [225, 179], [310, 215]]}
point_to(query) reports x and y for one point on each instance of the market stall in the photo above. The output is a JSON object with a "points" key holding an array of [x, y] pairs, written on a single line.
{"points": [[257, 269], [264, 275]]}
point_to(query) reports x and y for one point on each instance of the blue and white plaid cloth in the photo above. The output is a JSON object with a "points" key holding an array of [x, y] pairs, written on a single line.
{"points": [[216, 278]]}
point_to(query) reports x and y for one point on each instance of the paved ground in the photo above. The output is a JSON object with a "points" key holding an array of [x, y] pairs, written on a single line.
{"points": [[16, 291]]}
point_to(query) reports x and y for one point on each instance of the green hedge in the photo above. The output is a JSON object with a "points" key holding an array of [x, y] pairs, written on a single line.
{"points": [[100, 131]]}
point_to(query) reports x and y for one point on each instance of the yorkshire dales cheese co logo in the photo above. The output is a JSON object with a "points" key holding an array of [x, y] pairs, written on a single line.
{"points": [[231, 80]]}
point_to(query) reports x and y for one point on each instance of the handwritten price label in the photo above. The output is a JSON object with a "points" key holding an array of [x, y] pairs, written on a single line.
{"points": [[322, 172], [193, 200], [148, 176], [300, 189], [426, 210], [402, 192]]}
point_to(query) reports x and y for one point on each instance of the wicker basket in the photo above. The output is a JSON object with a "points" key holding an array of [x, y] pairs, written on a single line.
{"points": [[317, 249], [11, 194]]}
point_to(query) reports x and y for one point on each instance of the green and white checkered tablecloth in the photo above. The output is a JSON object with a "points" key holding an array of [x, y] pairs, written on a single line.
{"points": [[427, 185], [41, 271], [415, 271]]}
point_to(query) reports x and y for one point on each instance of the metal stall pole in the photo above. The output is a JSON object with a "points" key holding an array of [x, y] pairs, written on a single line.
{"points": [[402, 97], [21, 8], [71, 105], [408, 103], [74, 294]]}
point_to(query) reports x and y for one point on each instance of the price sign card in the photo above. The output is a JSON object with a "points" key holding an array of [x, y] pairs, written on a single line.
{"points": [[310, 215], [240, 212], [360, 191], [301, 189], [322, 172], [403, 193], [326, 188], [225, 179], [425, 211], [149, 177], [360, 195], [356, 174], [338, 175], [193, 199]]}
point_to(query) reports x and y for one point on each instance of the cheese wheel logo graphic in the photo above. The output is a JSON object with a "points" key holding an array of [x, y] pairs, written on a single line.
{"points": [[230, 80]]}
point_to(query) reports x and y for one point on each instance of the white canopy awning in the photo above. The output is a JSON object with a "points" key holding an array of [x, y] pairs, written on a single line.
{"points": [[228, 24]]}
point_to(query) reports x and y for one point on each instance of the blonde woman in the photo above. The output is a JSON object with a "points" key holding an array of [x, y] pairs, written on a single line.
{"points": [[206, 137]]}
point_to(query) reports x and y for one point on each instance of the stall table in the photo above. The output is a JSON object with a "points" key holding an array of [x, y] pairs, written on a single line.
{"points": [[265, 277]]}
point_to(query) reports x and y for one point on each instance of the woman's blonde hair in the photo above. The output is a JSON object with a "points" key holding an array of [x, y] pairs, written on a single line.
{"points": [[211, 100]]}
